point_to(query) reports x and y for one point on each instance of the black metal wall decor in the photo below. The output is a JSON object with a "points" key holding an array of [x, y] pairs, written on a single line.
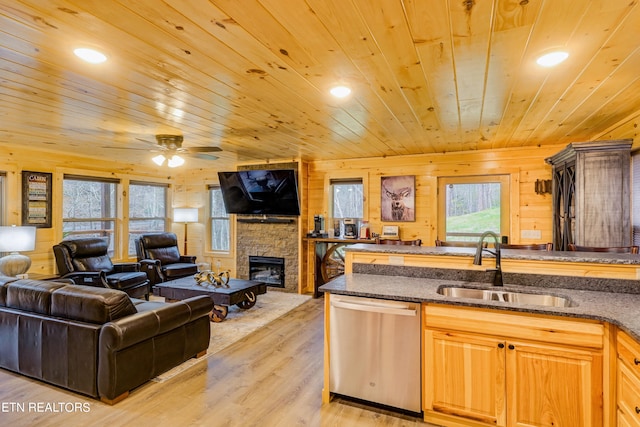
{"points": [[543, 186]]}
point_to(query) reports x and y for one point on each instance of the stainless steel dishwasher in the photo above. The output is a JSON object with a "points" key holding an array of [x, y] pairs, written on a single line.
{"points": [[374, 350]]}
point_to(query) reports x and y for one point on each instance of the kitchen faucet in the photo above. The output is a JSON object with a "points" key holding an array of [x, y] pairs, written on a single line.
{"points": [[477, 259]]}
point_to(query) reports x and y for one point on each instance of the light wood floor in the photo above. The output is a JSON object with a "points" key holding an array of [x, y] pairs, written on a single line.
{"points": [[273, 377]]}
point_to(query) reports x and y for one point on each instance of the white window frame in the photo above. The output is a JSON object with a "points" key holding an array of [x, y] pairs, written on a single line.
{"points": [[503, 179], [133, 219], [346, 181], [3, 200], [111, 234], [219, 219]]}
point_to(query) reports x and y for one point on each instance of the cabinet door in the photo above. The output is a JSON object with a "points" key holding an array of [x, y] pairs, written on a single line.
{"points": [[628, 389], [464, 376], [564, 177], [553, 386], [626, 421], [602, 199], [628, 380]]}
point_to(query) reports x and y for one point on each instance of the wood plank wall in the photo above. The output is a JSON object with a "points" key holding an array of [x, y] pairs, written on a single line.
{"points": [[529, 211], [16, 159]]}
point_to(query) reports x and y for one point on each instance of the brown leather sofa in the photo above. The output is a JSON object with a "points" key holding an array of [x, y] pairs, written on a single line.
{"points": [[96, 341], [86, 261], [159, 257]]}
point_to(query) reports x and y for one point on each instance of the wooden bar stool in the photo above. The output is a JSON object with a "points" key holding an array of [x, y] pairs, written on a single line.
{"points": [[416, 242], [612, 249], [531, 247], [455, 244]]}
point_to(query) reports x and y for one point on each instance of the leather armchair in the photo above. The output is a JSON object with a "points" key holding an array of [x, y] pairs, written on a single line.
{"points": [[86, 262], [159, 256]]}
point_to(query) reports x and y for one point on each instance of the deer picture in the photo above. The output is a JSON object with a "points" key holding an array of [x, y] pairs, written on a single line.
{"points": [[398, 208]]}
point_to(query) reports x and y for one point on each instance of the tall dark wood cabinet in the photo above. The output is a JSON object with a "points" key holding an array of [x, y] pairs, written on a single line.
{"points": [[591, 194]]}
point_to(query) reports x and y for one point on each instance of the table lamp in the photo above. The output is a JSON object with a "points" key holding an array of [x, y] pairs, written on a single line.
{"points": [[16, 239], [185, 215]]}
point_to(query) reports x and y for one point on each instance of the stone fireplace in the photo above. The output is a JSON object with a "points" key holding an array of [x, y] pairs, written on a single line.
{"points": [[271, 237]]}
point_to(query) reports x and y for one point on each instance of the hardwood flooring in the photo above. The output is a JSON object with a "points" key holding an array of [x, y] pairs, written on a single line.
{"points": [[273, 377]]}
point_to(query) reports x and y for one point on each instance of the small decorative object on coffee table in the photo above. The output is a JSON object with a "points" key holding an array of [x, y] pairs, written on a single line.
{"points": [[208, 277], [239, 292]]}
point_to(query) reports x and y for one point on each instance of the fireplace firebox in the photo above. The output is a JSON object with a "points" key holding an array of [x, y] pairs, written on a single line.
{"points": [[269, 270]]}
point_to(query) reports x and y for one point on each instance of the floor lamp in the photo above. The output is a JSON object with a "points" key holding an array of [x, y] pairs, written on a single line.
{"points": [[185, 215]]}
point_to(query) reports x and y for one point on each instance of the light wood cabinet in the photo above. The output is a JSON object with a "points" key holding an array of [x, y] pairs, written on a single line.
{"points": [[487, 367], [628, 381], [468, 378], [591, 194], [550, 385]]}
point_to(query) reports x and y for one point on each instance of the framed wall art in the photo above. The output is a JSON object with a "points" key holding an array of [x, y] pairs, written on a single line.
{"points": [[398, 198], [36, 199]]}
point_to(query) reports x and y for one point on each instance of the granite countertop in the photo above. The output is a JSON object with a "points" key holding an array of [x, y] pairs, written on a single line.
{"points": [[618, 308], [559, 256]]}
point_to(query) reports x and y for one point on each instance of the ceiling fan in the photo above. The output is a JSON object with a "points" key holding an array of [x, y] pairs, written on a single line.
{"points": [[171, 146]]}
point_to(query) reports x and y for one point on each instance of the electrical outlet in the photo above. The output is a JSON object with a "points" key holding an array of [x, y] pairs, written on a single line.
{"points": [[530, 234]]}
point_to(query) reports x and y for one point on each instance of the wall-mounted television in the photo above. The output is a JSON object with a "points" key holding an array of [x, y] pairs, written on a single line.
{"points": [[260, 192]]}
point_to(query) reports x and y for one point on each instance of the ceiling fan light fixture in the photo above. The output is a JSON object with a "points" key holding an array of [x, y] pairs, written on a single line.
{"points": [[90, 55], [175, 161], [552, 59], [159, 159], [340, 91]]}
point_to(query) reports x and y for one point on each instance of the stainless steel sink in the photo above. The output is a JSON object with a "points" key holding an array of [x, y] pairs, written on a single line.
{"points": [[506, 296]]}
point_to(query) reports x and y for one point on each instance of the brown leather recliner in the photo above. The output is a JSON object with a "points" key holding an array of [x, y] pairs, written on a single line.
{"points": [[86, 262], [159, 256]]}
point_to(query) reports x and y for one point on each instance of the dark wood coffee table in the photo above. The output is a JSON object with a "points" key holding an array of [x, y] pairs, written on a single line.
{"points": [[239, 292]]}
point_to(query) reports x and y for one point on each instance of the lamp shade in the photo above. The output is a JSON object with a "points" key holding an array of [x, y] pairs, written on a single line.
{"points": [[17, 239], [185, 215]]}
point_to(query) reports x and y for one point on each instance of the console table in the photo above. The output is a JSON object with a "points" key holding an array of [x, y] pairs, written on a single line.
{"points": [[325, 258]]}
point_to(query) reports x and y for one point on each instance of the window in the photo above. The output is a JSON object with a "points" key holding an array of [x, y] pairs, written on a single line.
{"points": [[89, 207], [220, 231], [469, 206], [3, 203], [147, 210], [348, 198]]}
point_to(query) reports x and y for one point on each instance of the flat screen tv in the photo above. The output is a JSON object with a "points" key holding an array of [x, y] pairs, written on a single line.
{"points": [[260, 192]]}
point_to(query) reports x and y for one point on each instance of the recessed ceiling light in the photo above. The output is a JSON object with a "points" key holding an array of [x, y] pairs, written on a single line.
{"points": [[340, 91], [90, 55], [552, 58]]}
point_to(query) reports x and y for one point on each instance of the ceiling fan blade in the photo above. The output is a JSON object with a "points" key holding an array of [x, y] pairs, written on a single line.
{"points": [[155, 145], [203, 156], [150, 149], [203, 149]]}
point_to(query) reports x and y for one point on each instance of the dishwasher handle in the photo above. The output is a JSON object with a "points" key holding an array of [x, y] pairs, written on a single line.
{"points": [[376, 308]]}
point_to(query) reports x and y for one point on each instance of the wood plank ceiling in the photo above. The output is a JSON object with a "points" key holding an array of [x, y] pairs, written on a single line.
{"points": [[252, 76]]}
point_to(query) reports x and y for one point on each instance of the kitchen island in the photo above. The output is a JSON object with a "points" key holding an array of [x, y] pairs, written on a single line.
{"points": [[620, 309], [498, 339]]}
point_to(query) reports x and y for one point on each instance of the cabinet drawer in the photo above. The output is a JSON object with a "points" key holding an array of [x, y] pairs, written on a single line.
{"points": [[550, 329], [628, 396], [629, 352]]}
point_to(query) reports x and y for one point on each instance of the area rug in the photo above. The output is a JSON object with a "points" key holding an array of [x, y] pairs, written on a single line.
{"points": [[240, 323]]}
